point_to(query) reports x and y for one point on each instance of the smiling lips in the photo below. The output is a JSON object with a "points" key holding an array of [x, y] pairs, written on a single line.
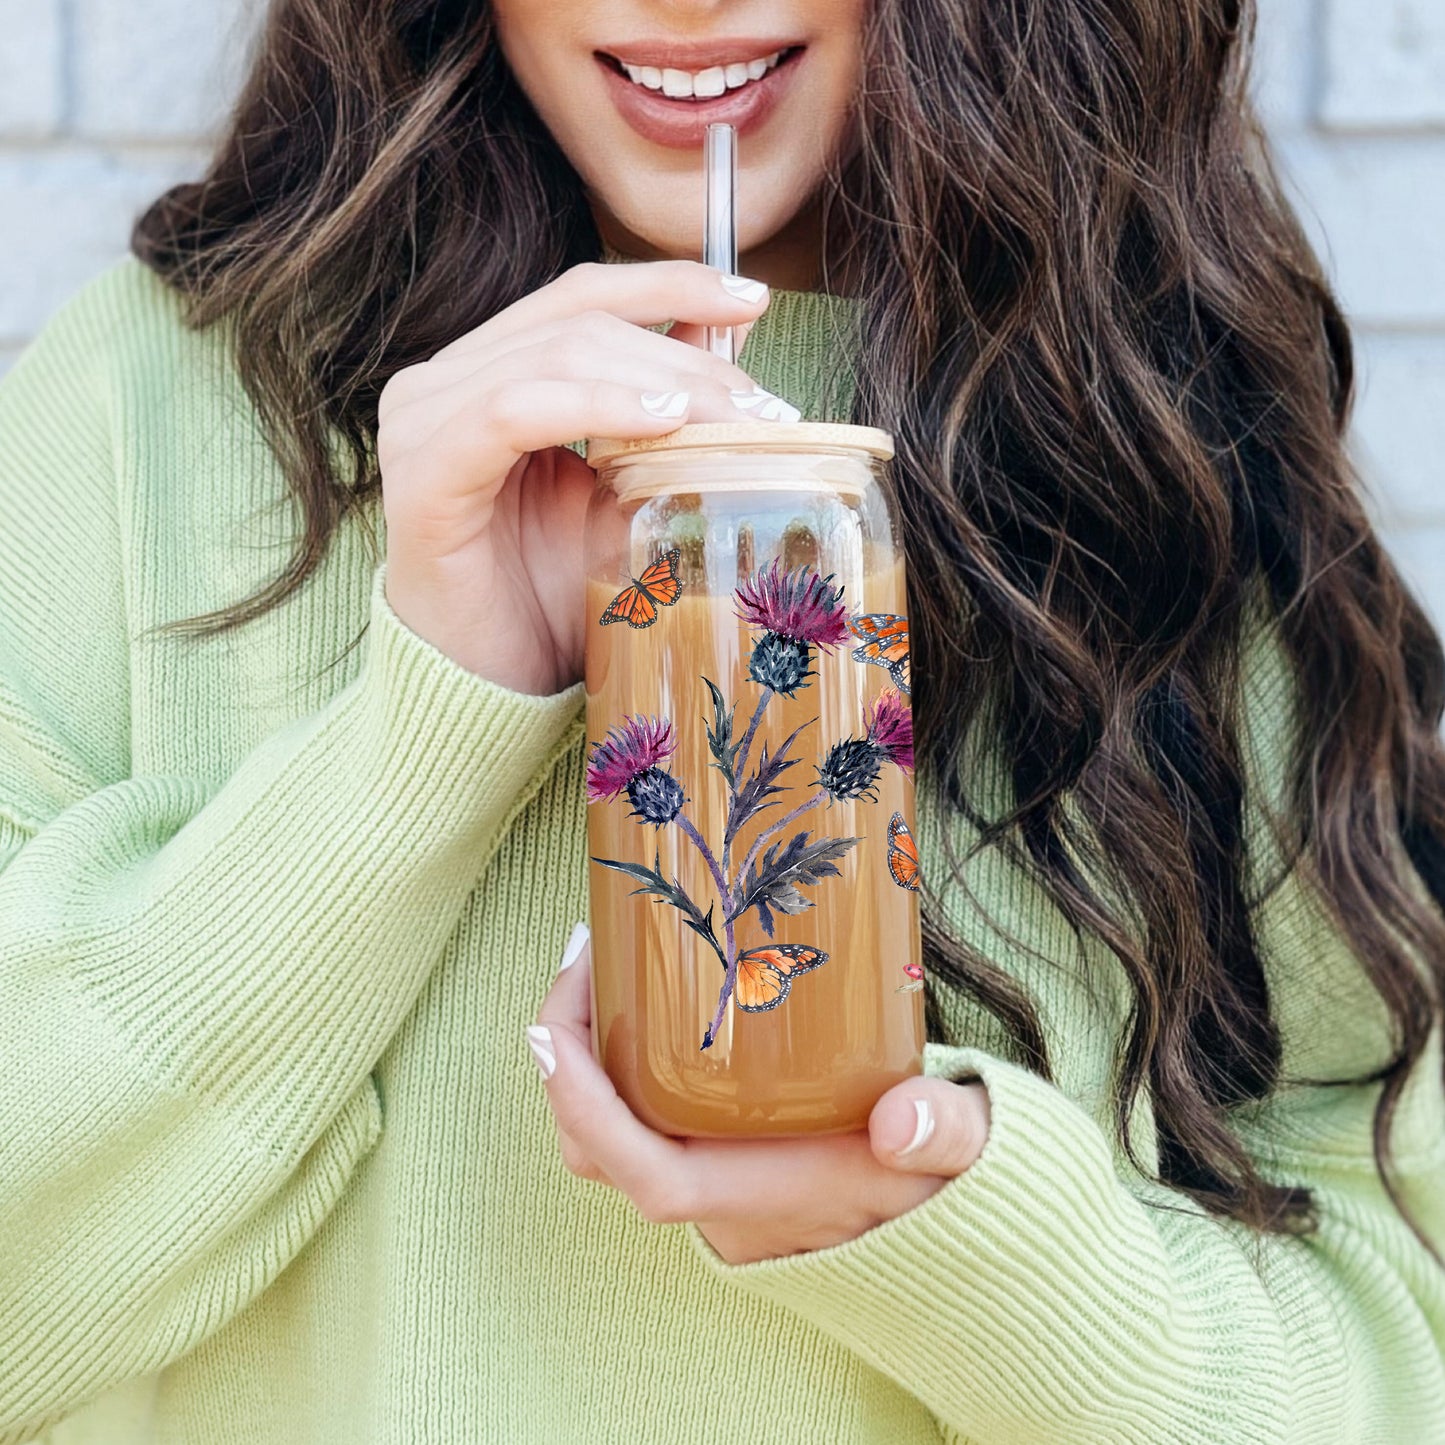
{"points": [[706, 84], [667, 101]]}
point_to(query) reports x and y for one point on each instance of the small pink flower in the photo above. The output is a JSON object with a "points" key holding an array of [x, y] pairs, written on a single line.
{"points": [[890, 729], [799, 605], [637, 744]]}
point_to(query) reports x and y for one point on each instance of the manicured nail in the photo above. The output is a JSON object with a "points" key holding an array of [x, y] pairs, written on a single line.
{"points": [[922, 1131], [744, 289], [665, 403], [539, 1040], [575, 944], [764, 405]]}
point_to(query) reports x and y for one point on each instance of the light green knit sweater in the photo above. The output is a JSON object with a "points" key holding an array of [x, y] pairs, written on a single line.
{"points": [[275, 1162]]}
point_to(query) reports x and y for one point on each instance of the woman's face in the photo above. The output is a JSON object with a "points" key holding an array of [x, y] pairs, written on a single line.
{"points": [[627, 87]]}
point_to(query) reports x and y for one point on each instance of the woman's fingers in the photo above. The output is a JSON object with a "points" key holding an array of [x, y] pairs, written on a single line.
{"points": [[579, 346], [483, 422], [570, 361], [600, 1137], [722, 1181], [651, 1169], [569, 1000], [577, 1161], [930, 1126], [615, 352], [488, 426], [570, 1007], [646, 294]]}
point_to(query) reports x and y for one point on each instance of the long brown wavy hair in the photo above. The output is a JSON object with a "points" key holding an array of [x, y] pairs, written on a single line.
{"points": [[1119, 384]]}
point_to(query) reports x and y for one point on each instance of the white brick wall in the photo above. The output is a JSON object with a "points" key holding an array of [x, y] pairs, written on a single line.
{"points": [[1354, 91], [104, 102]]}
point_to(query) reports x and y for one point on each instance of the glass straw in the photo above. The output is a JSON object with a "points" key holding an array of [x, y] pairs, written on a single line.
{"points": [[720, 231]]}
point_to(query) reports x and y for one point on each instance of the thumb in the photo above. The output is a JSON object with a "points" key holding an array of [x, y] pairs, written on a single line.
{"points": [[930, 1126]]}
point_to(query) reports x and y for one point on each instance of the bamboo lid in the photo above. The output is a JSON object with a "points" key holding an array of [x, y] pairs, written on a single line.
{"points": [[773, 436]]}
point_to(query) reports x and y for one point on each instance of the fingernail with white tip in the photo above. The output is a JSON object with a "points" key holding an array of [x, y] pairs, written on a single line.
{"points": [[743, 288], [667, 404], [539, 1040], [764, 405], [922, 1131], [575, 944]]}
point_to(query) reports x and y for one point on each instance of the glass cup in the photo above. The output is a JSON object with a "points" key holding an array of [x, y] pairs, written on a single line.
{"points": [[756, 959]]}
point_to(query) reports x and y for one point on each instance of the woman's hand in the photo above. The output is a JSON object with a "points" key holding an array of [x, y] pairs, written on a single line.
{"points": [[751, 1199], [484, 504]]}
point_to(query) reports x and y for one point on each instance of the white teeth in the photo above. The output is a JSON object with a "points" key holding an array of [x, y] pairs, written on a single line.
{"points": [[701, 84], [648, 75], [708, 83]]}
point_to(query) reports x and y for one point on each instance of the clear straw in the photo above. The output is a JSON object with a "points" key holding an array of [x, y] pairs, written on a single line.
{"points": [[720, 231]]}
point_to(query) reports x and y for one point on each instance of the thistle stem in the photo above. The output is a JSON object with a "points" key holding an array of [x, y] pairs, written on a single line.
{"points": [[768, 833], [746, 745], [726, 898], [727, 989], [688, 827]]}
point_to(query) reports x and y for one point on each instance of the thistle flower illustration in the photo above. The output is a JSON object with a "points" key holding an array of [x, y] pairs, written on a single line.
{"points": [[798, 611], [795, 612], [852, 766], [850, 770], [627, 761], [890, 729]]}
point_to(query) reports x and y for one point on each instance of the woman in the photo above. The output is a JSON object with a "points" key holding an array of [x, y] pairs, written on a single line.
{"points": [[275, 910]]}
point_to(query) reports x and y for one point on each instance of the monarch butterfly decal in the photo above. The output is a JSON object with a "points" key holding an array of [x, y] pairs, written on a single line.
{"points": [[657, 587], [902, 854], [885, 643], [766, 974]]}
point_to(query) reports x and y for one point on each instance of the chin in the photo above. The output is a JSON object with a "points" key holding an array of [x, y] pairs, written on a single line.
{"points": [[670, 221]]}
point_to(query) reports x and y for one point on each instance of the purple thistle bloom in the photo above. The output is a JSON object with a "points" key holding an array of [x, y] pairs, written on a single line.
{"points": [[890, 729], [799, 605], [639, 743], [852, 766]]}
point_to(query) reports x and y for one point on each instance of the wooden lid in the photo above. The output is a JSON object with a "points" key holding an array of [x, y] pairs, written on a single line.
{"points": [[773, 436]]}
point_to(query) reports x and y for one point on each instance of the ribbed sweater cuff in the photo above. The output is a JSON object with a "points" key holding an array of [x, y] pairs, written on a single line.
{"points": [[282, 934], [431, 706], [1029, 1298]]}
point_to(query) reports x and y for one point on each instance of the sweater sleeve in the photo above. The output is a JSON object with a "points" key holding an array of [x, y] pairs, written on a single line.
{"points": [[197, 978], [1045, 1297]]}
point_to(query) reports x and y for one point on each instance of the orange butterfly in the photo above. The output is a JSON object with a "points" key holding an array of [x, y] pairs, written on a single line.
{"points": [[766, 974], [657, 587], [885, 642], [902, 854]]}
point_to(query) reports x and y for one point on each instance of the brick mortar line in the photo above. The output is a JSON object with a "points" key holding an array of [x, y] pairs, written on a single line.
{"points": [[1388, 132], [68, 82], [1403, 329], [120, 147], [1316, 62]]}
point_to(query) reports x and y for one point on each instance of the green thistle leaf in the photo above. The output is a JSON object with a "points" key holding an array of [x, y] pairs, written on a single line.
{"points": [[654, 882], [753, 796], [773, 881], [720, 735]]}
